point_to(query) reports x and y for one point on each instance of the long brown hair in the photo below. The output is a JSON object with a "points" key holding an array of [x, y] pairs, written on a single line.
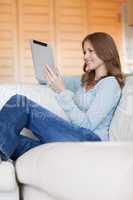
{"points": [[106, 50]]}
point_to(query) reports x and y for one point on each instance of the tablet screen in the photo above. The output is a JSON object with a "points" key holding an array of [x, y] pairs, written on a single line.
{"points": [[42, 54]]}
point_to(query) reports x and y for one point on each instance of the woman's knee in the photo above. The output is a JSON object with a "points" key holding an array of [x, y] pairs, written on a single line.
{"points": [[17, 99]]}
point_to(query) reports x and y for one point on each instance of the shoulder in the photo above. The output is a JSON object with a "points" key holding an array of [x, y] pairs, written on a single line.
{"points": [[108, 82], [109, 87]]}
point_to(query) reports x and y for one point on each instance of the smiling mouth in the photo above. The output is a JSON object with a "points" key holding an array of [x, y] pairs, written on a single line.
{"points": [[88, 62]]}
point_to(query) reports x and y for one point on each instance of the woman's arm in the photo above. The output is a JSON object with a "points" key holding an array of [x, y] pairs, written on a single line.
{"points": [[107, 97]]}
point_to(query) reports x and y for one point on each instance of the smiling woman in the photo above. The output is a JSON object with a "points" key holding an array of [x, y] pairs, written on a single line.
{"points": [[103, 60], [89, 110], [93, 62]]}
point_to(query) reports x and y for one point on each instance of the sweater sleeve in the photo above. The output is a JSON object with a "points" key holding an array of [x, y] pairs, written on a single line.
{"points": [[107, 96]]}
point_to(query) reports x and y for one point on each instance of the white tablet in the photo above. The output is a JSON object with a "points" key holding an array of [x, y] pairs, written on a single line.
{"points": [[42, 54]]}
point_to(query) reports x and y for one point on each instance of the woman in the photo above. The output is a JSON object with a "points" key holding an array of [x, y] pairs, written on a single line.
{"points": [[89, 110]]}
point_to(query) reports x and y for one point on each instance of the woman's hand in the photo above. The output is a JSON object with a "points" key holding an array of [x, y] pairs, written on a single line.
{"points": [[54, 80]]}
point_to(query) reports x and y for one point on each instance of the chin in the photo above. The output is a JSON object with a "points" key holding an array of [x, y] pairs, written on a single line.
{"points": [[90, 70]]}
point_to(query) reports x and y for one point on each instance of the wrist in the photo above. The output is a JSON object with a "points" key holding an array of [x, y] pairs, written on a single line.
{"points": [[61, 90]]}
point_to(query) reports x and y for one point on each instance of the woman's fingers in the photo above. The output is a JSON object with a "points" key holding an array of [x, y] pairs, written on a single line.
{"points": [[54, 81], [51, 72], [49, 77], [54, 72]]}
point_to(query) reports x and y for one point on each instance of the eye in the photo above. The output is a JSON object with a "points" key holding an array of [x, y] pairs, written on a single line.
{"points": [[90, 50]]}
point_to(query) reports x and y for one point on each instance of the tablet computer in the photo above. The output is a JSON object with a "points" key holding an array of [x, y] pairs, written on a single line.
{"points": [[42, 54]]}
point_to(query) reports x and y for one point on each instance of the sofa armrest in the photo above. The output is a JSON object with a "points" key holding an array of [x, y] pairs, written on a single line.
{"points": [[79, 170]]}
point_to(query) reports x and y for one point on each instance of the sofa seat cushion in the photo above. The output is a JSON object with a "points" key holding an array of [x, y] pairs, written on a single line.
{"points": [[79, 170], [121, 128]]}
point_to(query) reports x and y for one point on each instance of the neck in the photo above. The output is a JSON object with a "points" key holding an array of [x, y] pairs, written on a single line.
{"points": [[100, 72]]}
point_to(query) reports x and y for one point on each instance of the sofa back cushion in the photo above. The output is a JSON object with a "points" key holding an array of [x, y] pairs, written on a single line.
{"points": [[121, 128]]}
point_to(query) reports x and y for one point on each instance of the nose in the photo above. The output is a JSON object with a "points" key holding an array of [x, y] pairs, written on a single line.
{"points": [[86, 55]]}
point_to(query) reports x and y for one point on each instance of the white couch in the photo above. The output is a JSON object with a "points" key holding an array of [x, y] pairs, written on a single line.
{"points": [[82, 170], [77, 171], [8, 185]]}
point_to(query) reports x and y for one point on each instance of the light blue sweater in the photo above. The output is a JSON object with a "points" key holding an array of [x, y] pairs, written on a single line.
{"points": [[92, 109]]}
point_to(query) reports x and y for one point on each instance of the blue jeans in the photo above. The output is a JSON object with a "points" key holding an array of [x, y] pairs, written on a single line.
{"points": [[20, 112]]}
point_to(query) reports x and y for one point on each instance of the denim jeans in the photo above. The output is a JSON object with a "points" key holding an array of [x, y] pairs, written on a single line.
{"points": [[20, 112]]}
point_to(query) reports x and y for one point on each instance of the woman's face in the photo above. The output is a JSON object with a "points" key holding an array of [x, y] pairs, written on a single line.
{"points": [[91, 59]]}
